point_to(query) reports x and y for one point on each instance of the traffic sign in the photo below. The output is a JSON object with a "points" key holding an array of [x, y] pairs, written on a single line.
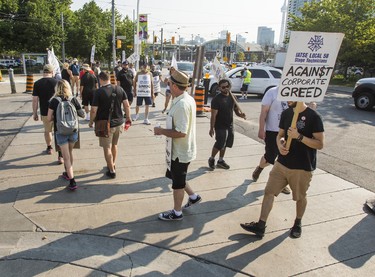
{"points": [[121, 37]]}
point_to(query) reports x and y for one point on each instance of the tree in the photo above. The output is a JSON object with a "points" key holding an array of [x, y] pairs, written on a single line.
{"points": [[356, 19], [87, 27], [31, 26], [240, 56]]}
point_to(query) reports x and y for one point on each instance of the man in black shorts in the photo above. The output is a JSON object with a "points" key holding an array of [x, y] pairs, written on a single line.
{"points": [[88, 85], [222, 107]]}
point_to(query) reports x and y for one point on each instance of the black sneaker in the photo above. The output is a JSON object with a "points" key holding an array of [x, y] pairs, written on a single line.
{"points": [[170, 215], [253, 227], [256, 173], [222, 164], [192, 202], [211, 163], [65, 176], [153, 105], [111, 174], [73, 185], [295, 231]]}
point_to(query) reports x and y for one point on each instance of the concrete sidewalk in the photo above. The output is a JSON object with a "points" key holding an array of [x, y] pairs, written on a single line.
{"points": [[109, 227]]}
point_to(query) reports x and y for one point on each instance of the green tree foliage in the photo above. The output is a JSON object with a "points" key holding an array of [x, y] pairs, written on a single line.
{"points": [[354, 18], [240, 56], [31, 26], [87, 27]]}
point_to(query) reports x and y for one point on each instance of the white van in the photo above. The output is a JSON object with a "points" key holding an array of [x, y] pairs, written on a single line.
{"points": [[7, 63]]}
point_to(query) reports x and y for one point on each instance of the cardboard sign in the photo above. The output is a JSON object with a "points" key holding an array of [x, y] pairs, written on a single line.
{"points": [[217, 70], [309, 65]]}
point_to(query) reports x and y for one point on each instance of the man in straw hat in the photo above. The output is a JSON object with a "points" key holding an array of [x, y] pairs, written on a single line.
{"points": [[180, 133]]}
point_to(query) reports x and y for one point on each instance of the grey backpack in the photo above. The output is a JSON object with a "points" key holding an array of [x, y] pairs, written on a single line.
{"points": [[66, 117]]}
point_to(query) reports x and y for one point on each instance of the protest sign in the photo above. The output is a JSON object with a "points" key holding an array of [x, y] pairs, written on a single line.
{"points": [[309, 65]]}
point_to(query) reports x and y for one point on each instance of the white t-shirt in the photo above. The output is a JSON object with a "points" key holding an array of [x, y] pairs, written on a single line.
{"points": [[276, 108]]}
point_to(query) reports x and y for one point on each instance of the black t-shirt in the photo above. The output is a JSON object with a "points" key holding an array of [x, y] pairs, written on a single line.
{"points": [[44, 88], [54, 103], [88, 81], [125, 77], [103, 99], [65, 75], [224, 106], [301, 156]]}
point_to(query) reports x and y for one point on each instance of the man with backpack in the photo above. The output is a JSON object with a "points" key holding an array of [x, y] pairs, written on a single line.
{"points": [[64, 110]]}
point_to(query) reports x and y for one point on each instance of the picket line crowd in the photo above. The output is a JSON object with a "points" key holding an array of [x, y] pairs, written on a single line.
{"points": [[293, 165]]}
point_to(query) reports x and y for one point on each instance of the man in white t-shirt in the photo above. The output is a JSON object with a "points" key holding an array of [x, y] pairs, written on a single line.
{"points": [[269, 119]]}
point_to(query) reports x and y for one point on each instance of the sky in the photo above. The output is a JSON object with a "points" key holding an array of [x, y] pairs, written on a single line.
{"points": [[205, 18]]}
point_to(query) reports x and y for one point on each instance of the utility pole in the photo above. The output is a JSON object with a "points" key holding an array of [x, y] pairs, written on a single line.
{"points": [[161, 45], [63, 41], [113, 34]]}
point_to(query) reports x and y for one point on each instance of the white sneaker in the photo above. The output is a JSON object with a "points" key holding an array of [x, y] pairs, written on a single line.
{"points": [[135, 118], [241, 98], [87, 117], [246, 97], [147, 122]]}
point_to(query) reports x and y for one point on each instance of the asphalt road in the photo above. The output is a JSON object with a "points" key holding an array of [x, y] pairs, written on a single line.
{"points": [[349, 150]]}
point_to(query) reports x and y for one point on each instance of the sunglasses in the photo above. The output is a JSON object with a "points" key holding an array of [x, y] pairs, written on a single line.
{"points": [[224, 87]]}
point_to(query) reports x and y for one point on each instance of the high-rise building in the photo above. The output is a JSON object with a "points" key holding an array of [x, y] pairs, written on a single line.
{"points": [[266, 36], [294, 8]]}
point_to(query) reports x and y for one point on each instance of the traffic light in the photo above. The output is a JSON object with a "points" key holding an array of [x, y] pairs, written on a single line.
{"points": [[118, 43], [228, 38], [155, 39], [248, 48], [173, 42]]}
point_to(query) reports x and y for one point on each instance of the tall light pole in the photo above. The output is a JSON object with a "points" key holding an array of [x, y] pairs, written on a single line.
{"points": [[138, 46], [113, 34], [63, 41]]}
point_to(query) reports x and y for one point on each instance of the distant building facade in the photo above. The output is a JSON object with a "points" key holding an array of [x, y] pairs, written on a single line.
{"points": [[266, 36]]}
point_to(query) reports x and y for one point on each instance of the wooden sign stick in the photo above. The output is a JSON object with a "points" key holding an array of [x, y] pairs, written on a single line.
{"points": [[236, 103], [297, 110]]}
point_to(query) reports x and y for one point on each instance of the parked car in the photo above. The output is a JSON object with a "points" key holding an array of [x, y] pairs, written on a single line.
{"points": [[364, 94], [30, 62], [8, 63], [187, 67], [262, 79]]}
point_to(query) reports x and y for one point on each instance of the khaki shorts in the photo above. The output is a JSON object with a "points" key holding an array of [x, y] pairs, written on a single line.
{"points": [[48, 125], [113, 137], [280, 176]]}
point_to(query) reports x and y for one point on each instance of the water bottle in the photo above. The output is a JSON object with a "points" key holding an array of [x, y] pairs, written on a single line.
{"points": [[158, 125]]}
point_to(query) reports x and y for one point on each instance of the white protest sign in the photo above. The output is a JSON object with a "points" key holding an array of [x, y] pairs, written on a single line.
{"points": [[132, 58], [309, 65], [92, 54], [217, 70]]}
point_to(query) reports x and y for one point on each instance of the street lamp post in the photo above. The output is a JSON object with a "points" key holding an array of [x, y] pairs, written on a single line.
{"points": [[138, 46]]}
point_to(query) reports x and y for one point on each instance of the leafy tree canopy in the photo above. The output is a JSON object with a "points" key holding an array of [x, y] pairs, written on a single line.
{"points": [[356, 19]]}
